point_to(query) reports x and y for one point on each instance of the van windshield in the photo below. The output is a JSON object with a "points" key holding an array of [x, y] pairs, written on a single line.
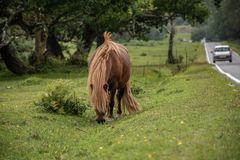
{"points": [[222, 49]]}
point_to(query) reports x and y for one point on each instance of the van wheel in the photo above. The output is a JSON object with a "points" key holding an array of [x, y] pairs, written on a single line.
{"points": [[214, 61], [230, 60]]}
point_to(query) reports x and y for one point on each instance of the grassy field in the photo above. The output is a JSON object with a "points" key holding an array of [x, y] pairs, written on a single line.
{"points": [[155, 53], [194, 114], [234, 45]]}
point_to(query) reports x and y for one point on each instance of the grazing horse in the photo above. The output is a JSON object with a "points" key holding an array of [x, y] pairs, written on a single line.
{"points": [[109, 72]]}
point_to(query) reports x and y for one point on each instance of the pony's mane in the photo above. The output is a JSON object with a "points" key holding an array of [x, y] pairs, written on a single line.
{"points": [[97, 76]]}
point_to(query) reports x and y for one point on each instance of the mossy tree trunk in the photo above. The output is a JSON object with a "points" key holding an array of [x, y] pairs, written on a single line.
{"points": [[83, 47], [41, 35], [53, 47], [11, 61]]}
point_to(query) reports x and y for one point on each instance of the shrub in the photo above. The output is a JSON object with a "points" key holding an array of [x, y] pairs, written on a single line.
{"points": [[58, 99], [198, 34], [179, 59], [31, 81], [136, 90], [2, 66], [143, 54], [175, 69], [155, 34]]}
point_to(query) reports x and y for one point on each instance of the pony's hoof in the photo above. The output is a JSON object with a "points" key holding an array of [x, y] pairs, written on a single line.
{"points": [[109, 119], [119, 115], [119, 112], [100, 121]]}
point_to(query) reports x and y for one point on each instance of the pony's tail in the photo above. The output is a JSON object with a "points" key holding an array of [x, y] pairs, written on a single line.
{"points": [[107, 36], [128, 100]]}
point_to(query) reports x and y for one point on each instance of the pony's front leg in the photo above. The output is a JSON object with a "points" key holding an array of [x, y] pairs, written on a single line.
{"points": [[100, 117]]}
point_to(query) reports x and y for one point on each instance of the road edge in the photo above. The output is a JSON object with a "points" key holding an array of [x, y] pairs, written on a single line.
{"points": [[218, 68], [204, 42]]}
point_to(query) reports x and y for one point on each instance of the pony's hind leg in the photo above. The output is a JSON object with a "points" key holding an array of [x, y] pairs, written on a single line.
{"points": [[119, 97], [111, 103]]}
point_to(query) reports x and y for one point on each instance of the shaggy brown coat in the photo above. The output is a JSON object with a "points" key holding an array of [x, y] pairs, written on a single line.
{"points": [[109, 70]]}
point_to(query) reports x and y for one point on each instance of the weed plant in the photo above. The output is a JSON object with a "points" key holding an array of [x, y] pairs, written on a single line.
{"points": [[59, 99]]}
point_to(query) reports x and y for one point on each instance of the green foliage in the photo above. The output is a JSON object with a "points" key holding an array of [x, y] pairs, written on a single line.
{"points": [[137, 89], [77, 60], [58, 99], [235, 45], [23, 45], [23, 49], [180, 21], [169, 10], [143, 54], [224, 23], [217, 3], [31, 81], [193, 11], [155, 34], [52, 64], [177, 68], [96, 17], [79, 57], [179, 59], [53, 61], [2, 67], [198, 34], [150, 43]]}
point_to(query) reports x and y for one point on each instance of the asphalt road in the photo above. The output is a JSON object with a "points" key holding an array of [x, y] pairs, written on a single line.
{"points": [[231, 70]]}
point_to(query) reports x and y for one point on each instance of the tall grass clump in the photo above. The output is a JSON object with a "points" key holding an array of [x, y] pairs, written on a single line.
{"points": [[137, 89], [31, 81], [59, 99]]}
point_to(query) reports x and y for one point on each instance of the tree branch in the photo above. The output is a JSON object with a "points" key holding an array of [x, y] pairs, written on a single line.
{"points": [[167, 30]]}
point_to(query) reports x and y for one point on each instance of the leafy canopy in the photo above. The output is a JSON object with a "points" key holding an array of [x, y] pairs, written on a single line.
{"points": [[191, 10]]}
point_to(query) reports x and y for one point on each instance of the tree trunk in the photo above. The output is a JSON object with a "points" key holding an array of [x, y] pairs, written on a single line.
{"points": [[83, 47], [100, 40], [53, 47], [88, 36], [171, 59], [12, 63], [79, 58], [41, 35]]}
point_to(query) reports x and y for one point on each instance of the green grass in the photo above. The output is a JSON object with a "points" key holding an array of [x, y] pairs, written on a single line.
{"points": [[234, 45], [192, 115], [156, 53]]}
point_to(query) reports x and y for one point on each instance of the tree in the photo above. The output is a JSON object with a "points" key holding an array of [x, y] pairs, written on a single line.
{"points": [[37, 18], [224, 23], [99, 16], [12, 63], [231, 12], [198, 34], [191, 10], [81, 21], [217, 3], [53, 47], [6, 50]]}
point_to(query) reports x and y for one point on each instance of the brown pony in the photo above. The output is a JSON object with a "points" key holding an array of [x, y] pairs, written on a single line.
{"points": [[109, 71]]}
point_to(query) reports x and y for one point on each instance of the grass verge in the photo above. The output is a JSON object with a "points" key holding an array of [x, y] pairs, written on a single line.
{"points": [[192, 115], [235, 45]]}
